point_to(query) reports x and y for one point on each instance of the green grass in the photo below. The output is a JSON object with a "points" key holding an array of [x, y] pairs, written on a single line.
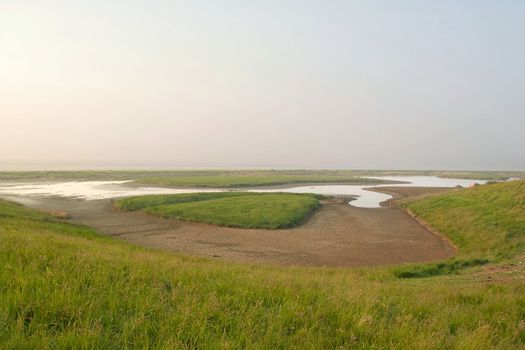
{"points": [[234, 209], [251, 180], [64, 286], [196, 178], [452, 266], [241, 178], [484, 221]]}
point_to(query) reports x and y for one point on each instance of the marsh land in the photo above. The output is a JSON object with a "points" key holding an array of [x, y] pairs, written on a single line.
{"points": [[432, 268]]}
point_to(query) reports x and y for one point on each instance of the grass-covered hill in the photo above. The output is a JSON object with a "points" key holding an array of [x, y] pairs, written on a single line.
{"points": [[64, 286], [234, 209]]}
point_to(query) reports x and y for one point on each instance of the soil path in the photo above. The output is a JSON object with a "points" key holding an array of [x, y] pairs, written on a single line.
{"points": [[337, 235]]}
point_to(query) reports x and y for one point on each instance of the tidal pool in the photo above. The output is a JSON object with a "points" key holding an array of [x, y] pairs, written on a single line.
{"points": [[92, 190], [366, 198]]}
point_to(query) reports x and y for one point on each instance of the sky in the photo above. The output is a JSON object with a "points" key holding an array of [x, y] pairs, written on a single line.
{"points": [[263, 84]]}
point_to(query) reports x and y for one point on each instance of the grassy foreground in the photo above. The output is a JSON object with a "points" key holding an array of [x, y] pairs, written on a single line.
{"points": [[63, 286], [234, 209]]}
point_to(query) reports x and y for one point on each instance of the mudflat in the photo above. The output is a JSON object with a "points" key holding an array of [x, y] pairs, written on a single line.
{"points": [[338, 235]]}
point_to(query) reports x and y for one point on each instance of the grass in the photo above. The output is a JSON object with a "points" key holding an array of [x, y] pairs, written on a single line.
{"points": [[233, 209], [64, 286], [196, 178], [232, 181], [484, 221], [241, 178], [452, 266]]}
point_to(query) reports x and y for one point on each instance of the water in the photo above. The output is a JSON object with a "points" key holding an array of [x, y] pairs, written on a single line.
{"points": [[371, 199], [428, 181], [363, 198], [92, 190]]}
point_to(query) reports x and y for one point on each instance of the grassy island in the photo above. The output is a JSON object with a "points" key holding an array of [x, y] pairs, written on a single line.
{"points": [[234, 209]]}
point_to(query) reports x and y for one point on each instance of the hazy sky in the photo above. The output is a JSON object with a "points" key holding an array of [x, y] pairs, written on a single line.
{"points": [[316, 84]]}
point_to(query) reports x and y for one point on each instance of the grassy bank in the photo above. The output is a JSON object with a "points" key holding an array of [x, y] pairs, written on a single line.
{"points": [[235, 209], [63, 286], [486, 224], [484, 221]]}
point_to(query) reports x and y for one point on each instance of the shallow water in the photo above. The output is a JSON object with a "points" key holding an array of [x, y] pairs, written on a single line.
{"points": [[428, 181], [363, 198], [371, 199], [92, 190]]}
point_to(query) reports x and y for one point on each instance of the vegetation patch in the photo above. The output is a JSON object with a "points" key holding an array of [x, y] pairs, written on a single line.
{"points": [[233, 209], [198, 178], [244, 178], [252, 180], [442, 268], [484, 221]]}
